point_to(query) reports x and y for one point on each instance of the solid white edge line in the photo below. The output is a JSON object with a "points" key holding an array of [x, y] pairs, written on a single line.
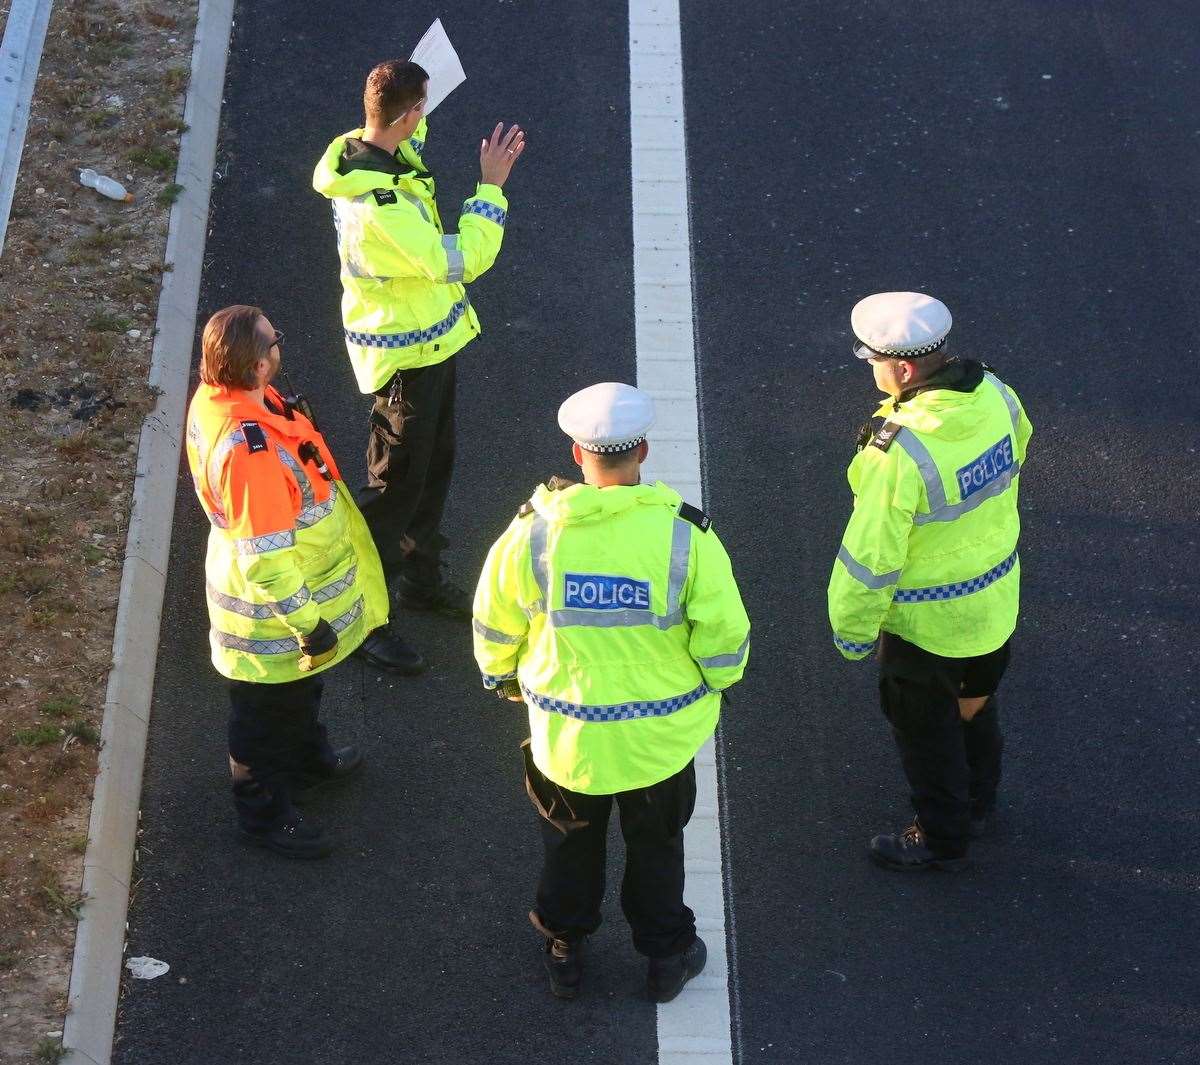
{"points": [[112, 834], [20, 57], [695, 1027]]}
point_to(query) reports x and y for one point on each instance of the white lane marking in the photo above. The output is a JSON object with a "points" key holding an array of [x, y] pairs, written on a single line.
{"points": [[695, 1027]]}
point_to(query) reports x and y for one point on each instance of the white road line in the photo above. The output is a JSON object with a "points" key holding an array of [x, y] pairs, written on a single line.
{"points": [[695, 1028]]}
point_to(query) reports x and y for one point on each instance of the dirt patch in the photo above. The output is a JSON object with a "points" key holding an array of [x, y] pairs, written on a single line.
{"points": [[79, 284]]}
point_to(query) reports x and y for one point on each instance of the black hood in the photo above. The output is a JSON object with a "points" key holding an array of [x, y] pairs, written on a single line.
{"points": [[958, 375], [361, 155]]}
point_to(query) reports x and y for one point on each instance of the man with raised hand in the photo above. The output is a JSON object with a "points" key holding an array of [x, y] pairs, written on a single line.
{"points": [[406, 314], [928, 571], [610, 608]]}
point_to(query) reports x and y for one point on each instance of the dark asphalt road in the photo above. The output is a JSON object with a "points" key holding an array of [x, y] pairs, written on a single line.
{"points": [[835, 150]]}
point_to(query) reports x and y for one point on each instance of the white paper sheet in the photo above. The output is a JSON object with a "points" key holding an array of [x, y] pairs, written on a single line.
{"points": [[437, 55]]}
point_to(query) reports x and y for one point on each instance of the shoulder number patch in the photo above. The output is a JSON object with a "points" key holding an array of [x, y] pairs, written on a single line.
{"points": [[695, 515], [256, 439], [885, 436], [384, 196], [598, 591]]}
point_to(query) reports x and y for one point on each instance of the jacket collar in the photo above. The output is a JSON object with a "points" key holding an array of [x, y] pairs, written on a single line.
{"points": [[958, 375], [359, 154]]}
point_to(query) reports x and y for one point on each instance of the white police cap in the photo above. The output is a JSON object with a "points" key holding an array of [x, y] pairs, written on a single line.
{"points": [[608, 417], [901, 324]]}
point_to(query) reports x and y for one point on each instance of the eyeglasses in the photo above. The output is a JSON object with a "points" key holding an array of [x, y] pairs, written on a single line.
{"points": [[278, 341]]}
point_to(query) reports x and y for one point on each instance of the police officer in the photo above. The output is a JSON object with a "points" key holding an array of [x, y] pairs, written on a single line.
{"points": [[611, 609], [927, 571], [406, 314], [293, 579]]}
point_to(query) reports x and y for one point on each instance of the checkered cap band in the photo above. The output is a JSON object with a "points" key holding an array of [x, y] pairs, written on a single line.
{"points": [[611, 449]]}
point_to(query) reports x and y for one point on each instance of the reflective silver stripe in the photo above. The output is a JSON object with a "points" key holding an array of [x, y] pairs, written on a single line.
{"points": [[258, 610], [213, 466], [1013, 410], [283, 644], [919, 453], [284, 606], [717, 661], [260, 545], [455, 263], [310, 515], [681, 541], [537, 554], [681, 550], [289, 460], [956, 510], [495, 635], [863, 575], [335, 588], [416, 202]]}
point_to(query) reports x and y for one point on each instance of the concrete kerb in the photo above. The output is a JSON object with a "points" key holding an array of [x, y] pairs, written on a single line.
{"points": [[112, 834]]}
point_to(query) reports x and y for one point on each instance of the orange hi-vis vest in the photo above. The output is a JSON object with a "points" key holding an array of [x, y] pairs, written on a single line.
{"points": [[287, 546]]}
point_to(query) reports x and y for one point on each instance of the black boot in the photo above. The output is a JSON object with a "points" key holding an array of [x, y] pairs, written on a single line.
{"points": [[564, 965], [984, 744], [908, 851], [436, 594], [665, 977], [267, 819], [385, 649], [346, 762]]}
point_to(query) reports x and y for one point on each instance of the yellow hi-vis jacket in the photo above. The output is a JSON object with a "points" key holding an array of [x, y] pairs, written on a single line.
{"points": [[403, 300], [617, 610], [930, 551], [287, 546]]}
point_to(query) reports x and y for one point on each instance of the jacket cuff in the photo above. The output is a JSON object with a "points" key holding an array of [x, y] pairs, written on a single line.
{"points": [[852, 650], [491, 193]]}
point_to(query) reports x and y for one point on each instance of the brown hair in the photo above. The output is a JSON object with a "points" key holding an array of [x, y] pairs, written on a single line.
{"points": [[231, 347], [392, 88]]}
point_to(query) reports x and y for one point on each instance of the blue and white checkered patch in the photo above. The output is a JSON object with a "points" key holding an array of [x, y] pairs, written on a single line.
{"points": [[486, 210], [615, 711], [417, 336], [953, 591], [853, 647]]}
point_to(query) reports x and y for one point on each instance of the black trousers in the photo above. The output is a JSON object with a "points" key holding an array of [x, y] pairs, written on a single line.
{"points": [[410, 460], [953, 766], [275, 734], [575, 835]]}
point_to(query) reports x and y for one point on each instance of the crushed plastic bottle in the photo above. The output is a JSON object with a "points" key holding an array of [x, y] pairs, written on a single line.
{"points": [[106, 186]]}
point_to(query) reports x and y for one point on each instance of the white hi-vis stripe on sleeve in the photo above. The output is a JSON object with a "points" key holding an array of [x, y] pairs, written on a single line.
{"points": [[874, 581], [721, 661]]}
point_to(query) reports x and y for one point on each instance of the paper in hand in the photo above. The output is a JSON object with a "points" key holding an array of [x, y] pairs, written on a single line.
{"points": [[436, 54]]}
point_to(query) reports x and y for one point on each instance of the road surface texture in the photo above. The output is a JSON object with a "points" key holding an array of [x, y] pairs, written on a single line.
{"points": [[1036, 167]]}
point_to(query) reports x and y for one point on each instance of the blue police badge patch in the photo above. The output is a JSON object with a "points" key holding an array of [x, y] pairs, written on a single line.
{"points": [[993, 464], [596, 591]]}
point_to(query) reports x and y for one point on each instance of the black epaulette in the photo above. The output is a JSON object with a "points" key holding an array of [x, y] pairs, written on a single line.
{"points": [[695, 515], [867, 430], [256, 439], [554, 484], [883, 439]]}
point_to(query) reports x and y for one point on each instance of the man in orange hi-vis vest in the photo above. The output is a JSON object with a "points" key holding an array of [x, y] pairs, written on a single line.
{"points": [[293, 579]]}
